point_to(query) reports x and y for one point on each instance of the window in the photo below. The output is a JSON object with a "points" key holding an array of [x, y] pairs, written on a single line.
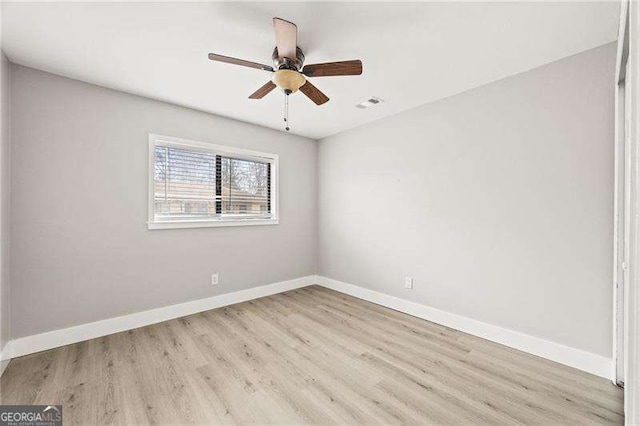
{"points": [[195, 184]]}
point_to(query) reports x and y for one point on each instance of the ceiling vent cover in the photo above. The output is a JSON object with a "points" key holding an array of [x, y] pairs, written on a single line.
{"points": [[369, 102]]}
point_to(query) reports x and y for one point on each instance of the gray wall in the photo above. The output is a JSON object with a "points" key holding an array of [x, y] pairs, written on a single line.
{"points": [[81, 250], [5, 156], [498, 201]]}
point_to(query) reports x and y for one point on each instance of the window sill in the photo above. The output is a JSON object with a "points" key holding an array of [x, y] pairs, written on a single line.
{"points": [[211, 223]]}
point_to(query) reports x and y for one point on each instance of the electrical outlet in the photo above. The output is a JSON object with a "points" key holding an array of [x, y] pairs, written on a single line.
{"points": [[408, 282], [214, 279]]}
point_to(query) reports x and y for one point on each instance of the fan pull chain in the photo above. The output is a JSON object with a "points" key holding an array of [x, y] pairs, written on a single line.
{"points": [[286, 112]]}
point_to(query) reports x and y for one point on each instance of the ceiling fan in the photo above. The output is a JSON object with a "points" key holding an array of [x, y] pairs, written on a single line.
{"points": [[289, 74]]}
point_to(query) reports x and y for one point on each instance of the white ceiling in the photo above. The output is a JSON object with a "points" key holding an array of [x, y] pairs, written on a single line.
{"points": [[413, 53]]}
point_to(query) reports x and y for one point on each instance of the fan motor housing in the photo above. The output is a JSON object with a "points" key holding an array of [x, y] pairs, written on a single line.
{"points": [[285, 63]]}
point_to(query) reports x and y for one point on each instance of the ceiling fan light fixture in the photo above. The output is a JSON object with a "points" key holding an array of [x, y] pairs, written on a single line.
{"points": [[289, 72], [289, 81]]}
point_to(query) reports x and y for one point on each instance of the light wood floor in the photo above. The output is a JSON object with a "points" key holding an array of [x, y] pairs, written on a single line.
{"points": [[306, 356]]}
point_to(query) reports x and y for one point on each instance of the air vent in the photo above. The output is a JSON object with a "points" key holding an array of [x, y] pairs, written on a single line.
{"points": [[369, 103]]}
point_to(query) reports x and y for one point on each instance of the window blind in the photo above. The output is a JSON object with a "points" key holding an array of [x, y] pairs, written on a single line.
{"points": [[196, 185]]}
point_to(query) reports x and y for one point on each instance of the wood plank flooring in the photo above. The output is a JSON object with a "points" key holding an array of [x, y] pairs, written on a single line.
{"points": [[306, 356]]}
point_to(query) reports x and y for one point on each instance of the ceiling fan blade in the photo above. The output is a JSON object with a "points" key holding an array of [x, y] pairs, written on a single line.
{"points": [[263, 91], [286, 38], [329, 69], [241, 62], [313, 93]]}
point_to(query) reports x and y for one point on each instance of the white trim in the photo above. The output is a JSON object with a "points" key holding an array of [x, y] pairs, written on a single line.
{"points": [[242, 153], [582, 360], [5, 357], [621, 216], [211, 223], [622, 200], [53, 339], [170, 141], [632, 295]]}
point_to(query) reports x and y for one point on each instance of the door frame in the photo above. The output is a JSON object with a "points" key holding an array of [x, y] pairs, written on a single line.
{"points": [[627, 319], [632, 292], [622, 199]]}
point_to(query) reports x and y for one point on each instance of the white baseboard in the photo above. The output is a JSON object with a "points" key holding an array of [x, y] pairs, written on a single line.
{"points": [[66, 336], [582, 360]]}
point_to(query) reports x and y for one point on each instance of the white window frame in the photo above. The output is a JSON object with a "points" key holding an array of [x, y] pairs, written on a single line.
{"points": [[173, 142]]}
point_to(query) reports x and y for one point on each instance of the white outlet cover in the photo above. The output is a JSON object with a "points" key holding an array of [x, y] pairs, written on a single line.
{"points": [[408, 282], [214, 279]]}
